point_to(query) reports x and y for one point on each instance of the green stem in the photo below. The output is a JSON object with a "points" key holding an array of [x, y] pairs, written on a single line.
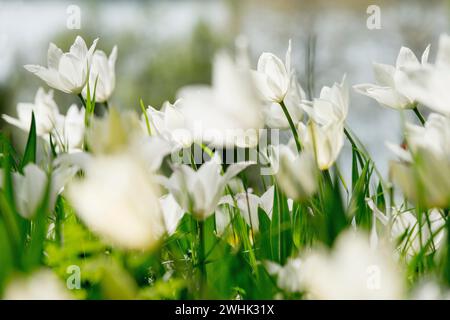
{"points": [[82, 100], [419, 115], [201, 256], [292, 126]]}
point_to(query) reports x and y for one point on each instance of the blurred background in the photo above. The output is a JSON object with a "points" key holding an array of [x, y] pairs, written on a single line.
{"points": [[164, 45]]}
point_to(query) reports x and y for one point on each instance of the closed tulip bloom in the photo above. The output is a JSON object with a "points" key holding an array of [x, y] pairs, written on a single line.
{"points": [[70, 129], [45, 110], [296, 174], [102, 71], [324, 142], [172, 213], [118, 200], [68, 71], [273, 77], [388, 91], [274, 115]]}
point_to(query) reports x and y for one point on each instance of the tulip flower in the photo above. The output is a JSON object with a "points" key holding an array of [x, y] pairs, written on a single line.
{"points": [[199, 192], [388, 91], [324, 142], [428, 84], [290, 277], [45, 110], [352, 270], [424, 175], [42, 284], [70, 129], [274, 115], [296, 174], [172, 213], [169, 123], [332, 105], [248, 204], [228, 113], [102, 71], [68, 71], [30, 187], [273, 77], [118, 200], [405, 227]]}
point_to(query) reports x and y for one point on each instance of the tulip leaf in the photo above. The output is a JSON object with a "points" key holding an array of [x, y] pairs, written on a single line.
{"points": [[263, 237], [281, 235], [333, 219], [358, 206], [6, 255], [29, 156], [34, 252]]}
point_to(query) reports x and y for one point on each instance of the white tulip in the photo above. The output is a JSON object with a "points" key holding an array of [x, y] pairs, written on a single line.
{"points": [[332, 105], [324, 142], [229, 112], [199, 192], [40, 285], [423, 173], [30, 187], [388, 91], [102, 71], [118, 200], [428, 84], [68, 71], [248, 204], [46, 114], [404, 226], [172, 212], [290, 277], [352, 270], [169, 123], [296, 174], [273, 77], [434, 136], [70, 129], [274, 115]]}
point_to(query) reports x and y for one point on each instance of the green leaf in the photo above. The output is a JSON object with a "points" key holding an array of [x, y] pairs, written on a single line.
{"points": [[358, 206], [281, 233], [263, 237], [334, 218], [34, 252], [29, 156], [6, 255]]}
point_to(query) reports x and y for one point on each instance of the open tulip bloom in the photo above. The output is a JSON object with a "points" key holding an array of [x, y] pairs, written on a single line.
{"points": [[67, 71], [125, 199]]}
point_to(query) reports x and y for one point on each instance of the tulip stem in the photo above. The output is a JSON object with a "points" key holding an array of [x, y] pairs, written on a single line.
{"points": [[82, 100], [201, 256], [292, 126], [419, 115]]}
